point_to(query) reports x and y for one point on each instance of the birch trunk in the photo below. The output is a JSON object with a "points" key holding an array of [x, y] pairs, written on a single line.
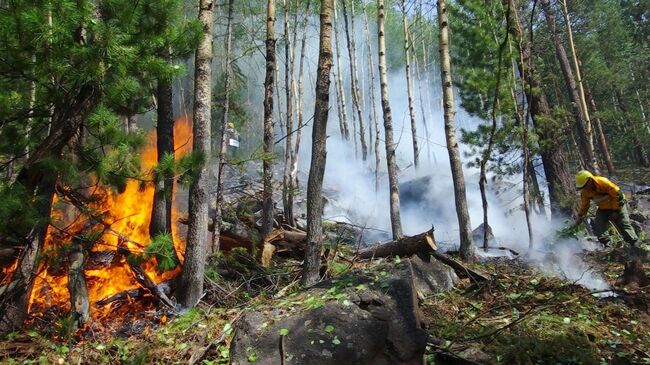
{"points": [[409, 85], [354, 87], [295, 185], [287, 191], [311, 265], [373, 100], [223, 146], [466, 249], [267, 196], [393, 182], [340, 95], [190, 288]]}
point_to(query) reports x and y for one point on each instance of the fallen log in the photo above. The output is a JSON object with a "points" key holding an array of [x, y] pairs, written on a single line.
{"points": [[407, 246], [142, 278], [461, 270]]}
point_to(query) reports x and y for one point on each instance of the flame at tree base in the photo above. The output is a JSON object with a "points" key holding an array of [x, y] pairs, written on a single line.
{"points": [[125, 219]]}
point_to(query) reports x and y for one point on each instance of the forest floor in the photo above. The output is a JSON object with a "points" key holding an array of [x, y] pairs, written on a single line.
{"points": [[522, 316]]}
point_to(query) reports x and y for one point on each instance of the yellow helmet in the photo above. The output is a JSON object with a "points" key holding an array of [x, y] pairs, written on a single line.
{"points": [[582, 177]]}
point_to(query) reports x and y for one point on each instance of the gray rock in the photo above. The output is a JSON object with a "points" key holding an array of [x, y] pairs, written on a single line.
{"points": [[376, 322]]}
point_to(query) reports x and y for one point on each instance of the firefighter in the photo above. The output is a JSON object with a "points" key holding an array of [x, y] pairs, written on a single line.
{"points": [[612, 206]]}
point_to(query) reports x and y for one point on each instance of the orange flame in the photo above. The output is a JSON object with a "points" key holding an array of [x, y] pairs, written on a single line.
{"points": [[130, 214]]}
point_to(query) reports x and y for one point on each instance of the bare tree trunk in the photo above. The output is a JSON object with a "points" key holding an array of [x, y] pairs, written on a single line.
{"points": [[354, 87], [311, 265], [409, 85], [294, 163], [604, 146], [79, 304], [422, 100], [581, 89], [223, 146], [466, 249], [190, 287], [393, 182], [267, 196], [289, 52], [340, 95], [373, 100], [586, 142], [161, 220]]}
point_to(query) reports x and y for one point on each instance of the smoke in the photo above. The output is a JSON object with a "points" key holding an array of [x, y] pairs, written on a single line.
{"points": [[350, 182]]}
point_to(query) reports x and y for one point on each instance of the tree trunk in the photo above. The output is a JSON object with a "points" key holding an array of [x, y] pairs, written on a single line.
{"points": [[604, 146], [267, 196], [638, 147], [409, 85], [295, 185], [466, 249], [373, 100], [223, 145], [393, 183], [586, 142], [581, 89], [311, 265], [190, 287], [66, 122], [354, 87], [406, 246], [79, 304], [422, 99], [161, 220], [554, 159], [289, 52], [340, 95], [15, 298]]}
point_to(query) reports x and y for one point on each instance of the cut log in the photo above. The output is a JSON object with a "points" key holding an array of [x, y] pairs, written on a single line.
{"points": [[407, 246], [142, 278], [461, 270], [79, 303]]}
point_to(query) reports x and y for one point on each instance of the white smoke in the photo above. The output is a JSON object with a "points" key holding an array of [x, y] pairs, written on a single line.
{"points": [[350, 182]]}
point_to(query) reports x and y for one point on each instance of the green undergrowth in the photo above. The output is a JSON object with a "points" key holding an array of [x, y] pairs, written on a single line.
{"points": [[524, 317]]}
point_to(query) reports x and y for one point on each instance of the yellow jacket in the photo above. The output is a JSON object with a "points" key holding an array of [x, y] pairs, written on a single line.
{"points": [[604, 194]]}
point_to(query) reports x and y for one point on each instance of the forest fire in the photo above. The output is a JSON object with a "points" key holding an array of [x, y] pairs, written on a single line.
{"points": [[123, 224]]}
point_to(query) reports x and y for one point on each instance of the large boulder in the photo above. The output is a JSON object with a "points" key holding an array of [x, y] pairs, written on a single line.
{"points": [[358, 318]]}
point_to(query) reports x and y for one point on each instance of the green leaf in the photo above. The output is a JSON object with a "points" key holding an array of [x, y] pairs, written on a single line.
{"points": [[336, 340], [329, 328], [284, 331]]}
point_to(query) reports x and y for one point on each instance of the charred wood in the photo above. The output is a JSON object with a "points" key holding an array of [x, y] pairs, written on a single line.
{"points": [[142, 278]]}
